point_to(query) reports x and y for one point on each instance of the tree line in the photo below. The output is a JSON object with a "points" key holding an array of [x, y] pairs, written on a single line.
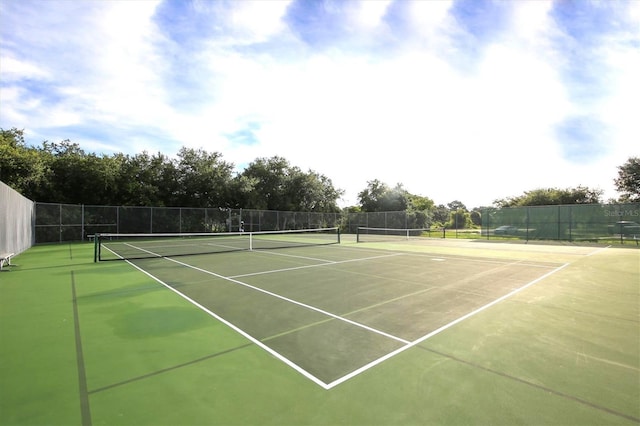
{"points": [[64, 173]]}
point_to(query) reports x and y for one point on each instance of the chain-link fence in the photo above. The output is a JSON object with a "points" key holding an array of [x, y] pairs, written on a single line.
{"points": [[70, 222], [579, 222], [576, 222]]}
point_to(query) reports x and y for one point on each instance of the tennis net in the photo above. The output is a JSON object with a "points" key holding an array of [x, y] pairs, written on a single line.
{"points": [[141, 246], [367, 235]]}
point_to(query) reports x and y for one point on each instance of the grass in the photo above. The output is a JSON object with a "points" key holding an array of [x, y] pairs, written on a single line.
{"points": [[126, 351]]}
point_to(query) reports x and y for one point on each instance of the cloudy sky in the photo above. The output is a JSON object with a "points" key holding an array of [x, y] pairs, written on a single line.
{"points": [[469, 100]]}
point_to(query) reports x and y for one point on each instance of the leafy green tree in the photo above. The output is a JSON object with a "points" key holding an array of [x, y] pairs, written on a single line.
{"points": [[553, 196], [459, 219], [21, 167], [276, 185], [270, 179], [241, 191], [420, 203], [312, 192], [147, 180], [440, 215], [628, 180], [456, 205], [379, 197], [353, 209], [395, 200], [76, 177], [421, 208], [203, 178], [370, 198], [476, 216]]}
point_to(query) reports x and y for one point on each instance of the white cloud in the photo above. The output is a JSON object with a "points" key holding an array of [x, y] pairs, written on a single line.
{"points": [[259, 19], [429, 15], [369, 14], [15, 69], [411, 115]]}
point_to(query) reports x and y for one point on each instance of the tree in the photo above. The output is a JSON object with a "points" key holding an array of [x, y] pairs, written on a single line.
{"points": [[457, 205], [21, 167], [396, 200], [440, 215], [75, 176], [203, 178], [269, 177], [459, 219], [628, 180], [147, 180], [552, 196], [476, 216], [420, 203], [312, 192], [276, 185], [370, 198], [379, 197]]}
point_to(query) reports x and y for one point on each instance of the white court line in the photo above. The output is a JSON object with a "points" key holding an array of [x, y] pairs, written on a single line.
{"points": [[287, 361], [597, 251], [360, 370], [292, 255], [135, 247], [441, 329], [286, 299], [328, 262], [234, 248], [295, 302], [521, 262]]}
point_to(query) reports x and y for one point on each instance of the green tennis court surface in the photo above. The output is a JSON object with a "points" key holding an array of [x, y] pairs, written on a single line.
{"points": [[330, 311], [419, 332]]}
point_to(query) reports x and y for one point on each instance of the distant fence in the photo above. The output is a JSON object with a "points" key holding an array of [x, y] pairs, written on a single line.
{"points": [[17, 220], [575, 222], [71, 222]]}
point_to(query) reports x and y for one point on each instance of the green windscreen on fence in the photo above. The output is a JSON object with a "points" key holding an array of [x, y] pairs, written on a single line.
{"points": [[576, 222]]}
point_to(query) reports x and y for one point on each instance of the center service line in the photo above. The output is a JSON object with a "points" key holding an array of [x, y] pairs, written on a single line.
{"points": [[286, 299]]}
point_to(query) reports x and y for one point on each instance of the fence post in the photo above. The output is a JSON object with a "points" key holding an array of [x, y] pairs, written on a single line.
{"points": [[60, 223], [559, 217], [570, 225], [82, 230]]}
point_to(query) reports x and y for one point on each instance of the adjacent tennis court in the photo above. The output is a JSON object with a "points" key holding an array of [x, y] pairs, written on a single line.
{"points": [[314, 328], [326, 310]]}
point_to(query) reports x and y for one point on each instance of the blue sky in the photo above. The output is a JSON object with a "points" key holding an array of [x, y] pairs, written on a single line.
{"points": [[469, 100]]}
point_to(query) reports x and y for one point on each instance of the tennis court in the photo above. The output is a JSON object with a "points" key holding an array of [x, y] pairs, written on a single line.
{"points": [[326, 310], [319, 329]]}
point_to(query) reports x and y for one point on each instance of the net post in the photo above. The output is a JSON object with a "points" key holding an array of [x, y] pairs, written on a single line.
{"points": [[96, 237], [250, 241], [338, 235], [357, 234]]}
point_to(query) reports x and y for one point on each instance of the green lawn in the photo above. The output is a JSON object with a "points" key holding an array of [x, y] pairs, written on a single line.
{"points": [[105, 344]]}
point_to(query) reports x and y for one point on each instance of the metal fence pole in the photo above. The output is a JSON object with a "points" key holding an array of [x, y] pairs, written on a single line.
{"points": [[82, 220], [60, 224]]}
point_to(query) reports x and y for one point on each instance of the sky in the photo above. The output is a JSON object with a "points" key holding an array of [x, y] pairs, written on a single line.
{"points": [[469, 100]]}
